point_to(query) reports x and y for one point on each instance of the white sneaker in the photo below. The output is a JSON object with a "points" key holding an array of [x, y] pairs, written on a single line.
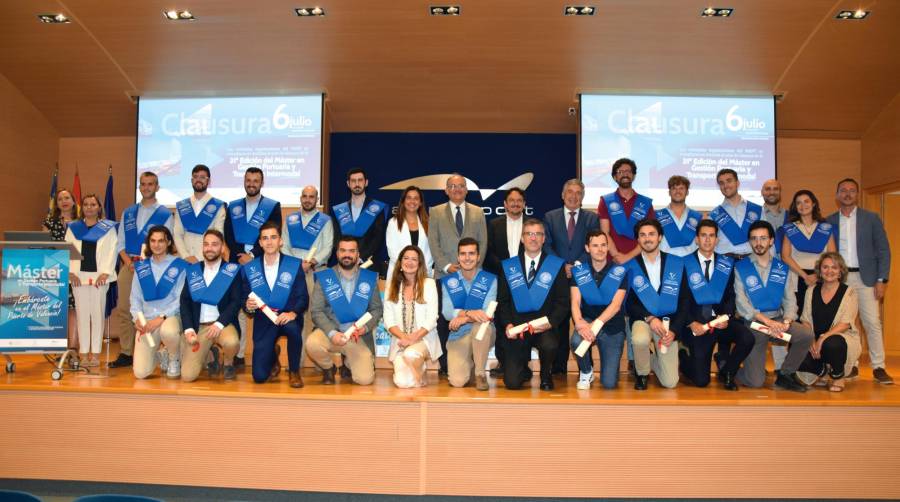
{"points": [[584, 381], [163, 357], [174, 370]]}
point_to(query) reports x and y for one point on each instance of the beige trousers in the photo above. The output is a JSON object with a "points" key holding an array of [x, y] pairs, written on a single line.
{"points": [[359, 358], [467, 356], [665, 366], [145, 356], [192, 363], [120, 322]]}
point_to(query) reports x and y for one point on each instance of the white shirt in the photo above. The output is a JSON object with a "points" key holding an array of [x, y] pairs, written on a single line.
{"points": [[566, 212], [847, 240], [199, 204], [271, 272], [209, 313], [462, 211], [528, 261], [712, 264], [514, 234], [251, 208], [654, 270]]}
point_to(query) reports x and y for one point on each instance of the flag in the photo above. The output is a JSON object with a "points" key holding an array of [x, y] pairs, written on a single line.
{"points": [[52, 204], [76, 192], [109, 211]]}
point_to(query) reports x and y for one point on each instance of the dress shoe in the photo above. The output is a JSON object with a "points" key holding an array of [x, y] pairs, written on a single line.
{"points": [[497, 371], [882, 377], [346, 374], [123, 361], [481, 382], [212, 367], [239, 363], [854, 373], [296, 381], [547, 383], [728, 381], [276, 366], [443, 373], [230, 373], [640, 382], [328, 376], [720, 376], [789, 382]]}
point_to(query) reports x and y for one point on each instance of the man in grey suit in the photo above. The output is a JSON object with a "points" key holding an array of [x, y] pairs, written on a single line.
{"points": [[447, 224], [864, 245], [566, 229]]}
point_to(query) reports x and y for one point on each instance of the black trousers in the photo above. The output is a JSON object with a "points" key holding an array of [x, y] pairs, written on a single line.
{"points": [[518, 354], [735, 344], [834, 355], [561, 363]]}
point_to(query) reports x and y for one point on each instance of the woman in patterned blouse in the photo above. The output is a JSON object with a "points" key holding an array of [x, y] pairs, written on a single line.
{"points": [[64, 212]]}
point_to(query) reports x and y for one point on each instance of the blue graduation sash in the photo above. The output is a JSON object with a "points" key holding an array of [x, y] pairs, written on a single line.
{"points": [[815, 244], [590, 292], [664, 302], [199, 223], [678, 237], [624, 225], [93, 234], [474, 299], [277, 297], [530, 299], [212, 294], [708, 293], [133, 238], [357, 228], [303, 237], [247, 231], [764, 298], [151, 289], [736, 234], [345, 311]]}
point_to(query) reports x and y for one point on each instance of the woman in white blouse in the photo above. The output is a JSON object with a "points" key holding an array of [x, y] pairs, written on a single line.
{"points": [[410, 316], [409, 227]]}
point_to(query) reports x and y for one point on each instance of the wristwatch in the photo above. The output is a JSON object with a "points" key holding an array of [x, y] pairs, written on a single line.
{"points": [[883, 281]]}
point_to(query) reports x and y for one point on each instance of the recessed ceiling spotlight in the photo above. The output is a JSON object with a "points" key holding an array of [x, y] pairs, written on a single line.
{"points": [[717, 12], [179, 15], [445, 10], [579, 10], [54, 18], [858, 14], [310, 11]]}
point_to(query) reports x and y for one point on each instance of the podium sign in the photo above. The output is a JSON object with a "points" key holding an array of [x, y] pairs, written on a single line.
{"points": [[34, 306]]}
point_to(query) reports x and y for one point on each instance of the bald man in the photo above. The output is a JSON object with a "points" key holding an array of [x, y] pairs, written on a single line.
{"points": [[303, 230], [772, 210]]}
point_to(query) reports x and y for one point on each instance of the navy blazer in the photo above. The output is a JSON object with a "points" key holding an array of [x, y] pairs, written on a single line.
{"points": [[234, 247], [298, 299], [872, 247], [228, 306], [371, 244], [725, 306], [556, 306], [557, 237], [636, 310]]}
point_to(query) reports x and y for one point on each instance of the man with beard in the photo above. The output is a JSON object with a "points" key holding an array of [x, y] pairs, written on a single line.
{"points": [[342, 295], [734, 216], [195, 215], [362, 217], [620, 210], [776, 215], [658, 293], [277, 280], [243, 221], [209, 306], [764, 292], [679, 222], [504, 240]]}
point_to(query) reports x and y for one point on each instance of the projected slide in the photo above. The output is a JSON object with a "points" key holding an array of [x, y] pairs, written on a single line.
{"points": [[282, 135], [690, 136]]}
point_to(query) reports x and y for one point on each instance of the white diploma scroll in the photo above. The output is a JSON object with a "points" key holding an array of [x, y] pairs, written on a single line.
{"points": [[366, 264], [262, 306], [762, 328], [310, 254], [143, 321], [715, 323], [491, 308], [540, 322], [583, 347], [663, 349]]}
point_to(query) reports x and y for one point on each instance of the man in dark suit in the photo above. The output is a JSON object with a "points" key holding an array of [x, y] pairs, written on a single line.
{"points": [[277, 280], [864, 245], [504, 240], [532, 285], [209, 308], [362, 217], [243, 221], [658, 296], [710, 277], [566, 229]]}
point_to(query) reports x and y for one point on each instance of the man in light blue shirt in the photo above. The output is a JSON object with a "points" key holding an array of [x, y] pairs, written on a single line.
{"points": [[467, 294], [678, 239], [734, 216], [155, 305], [134, 224]]}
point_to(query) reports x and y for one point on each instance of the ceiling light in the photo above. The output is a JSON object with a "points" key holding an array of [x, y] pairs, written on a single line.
{"points": [[54, 18], [857, 15], [179, 15], [717, 12], [445, 10], [579, 10], [310, 11]]}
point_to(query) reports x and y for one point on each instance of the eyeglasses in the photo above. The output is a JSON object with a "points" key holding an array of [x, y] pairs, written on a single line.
{"points": [[533, 235], [456, 187]]}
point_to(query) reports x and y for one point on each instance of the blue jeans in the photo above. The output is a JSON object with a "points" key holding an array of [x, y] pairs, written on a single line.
{"points": [[610, 346]]}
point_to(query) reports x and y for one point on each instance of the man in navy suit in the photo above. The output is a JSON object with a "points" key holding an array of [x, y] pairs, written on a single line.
{"points": [[863, 243], [278, 281], [566, 230], [209, 308]]}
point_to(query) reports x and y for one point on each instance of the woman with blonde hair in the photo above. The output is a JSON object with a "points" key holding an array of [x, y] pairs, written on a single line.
{"points": [[410, 316], [57, 221], [830, 307]]}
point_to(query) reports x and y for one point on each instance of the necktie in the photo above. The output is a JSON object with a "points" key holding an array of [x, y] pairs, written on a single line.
{"points": [[706, 310], [706, 268], [531, 272], [459, 221], [570, 228]]}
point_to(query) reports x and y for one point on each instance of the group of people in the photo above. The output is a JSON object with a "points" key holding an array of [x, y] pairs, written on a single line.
{"points": [[677, 291]]}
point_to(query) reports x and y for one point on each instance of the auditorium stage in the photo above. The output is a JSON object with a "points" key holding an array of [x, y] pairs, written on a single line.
{"points": [[685, 442]]}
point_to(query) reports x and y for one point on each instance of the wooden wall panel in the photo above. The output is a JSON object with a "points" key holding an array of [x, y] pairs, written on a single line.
{"points": [[93, 156], [881, 148], [817, 165]]}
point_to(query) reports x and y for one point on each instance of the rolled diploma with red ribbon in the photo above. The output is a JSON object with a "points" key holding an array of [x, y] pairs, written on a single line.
{"points": [[491, 308]]}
